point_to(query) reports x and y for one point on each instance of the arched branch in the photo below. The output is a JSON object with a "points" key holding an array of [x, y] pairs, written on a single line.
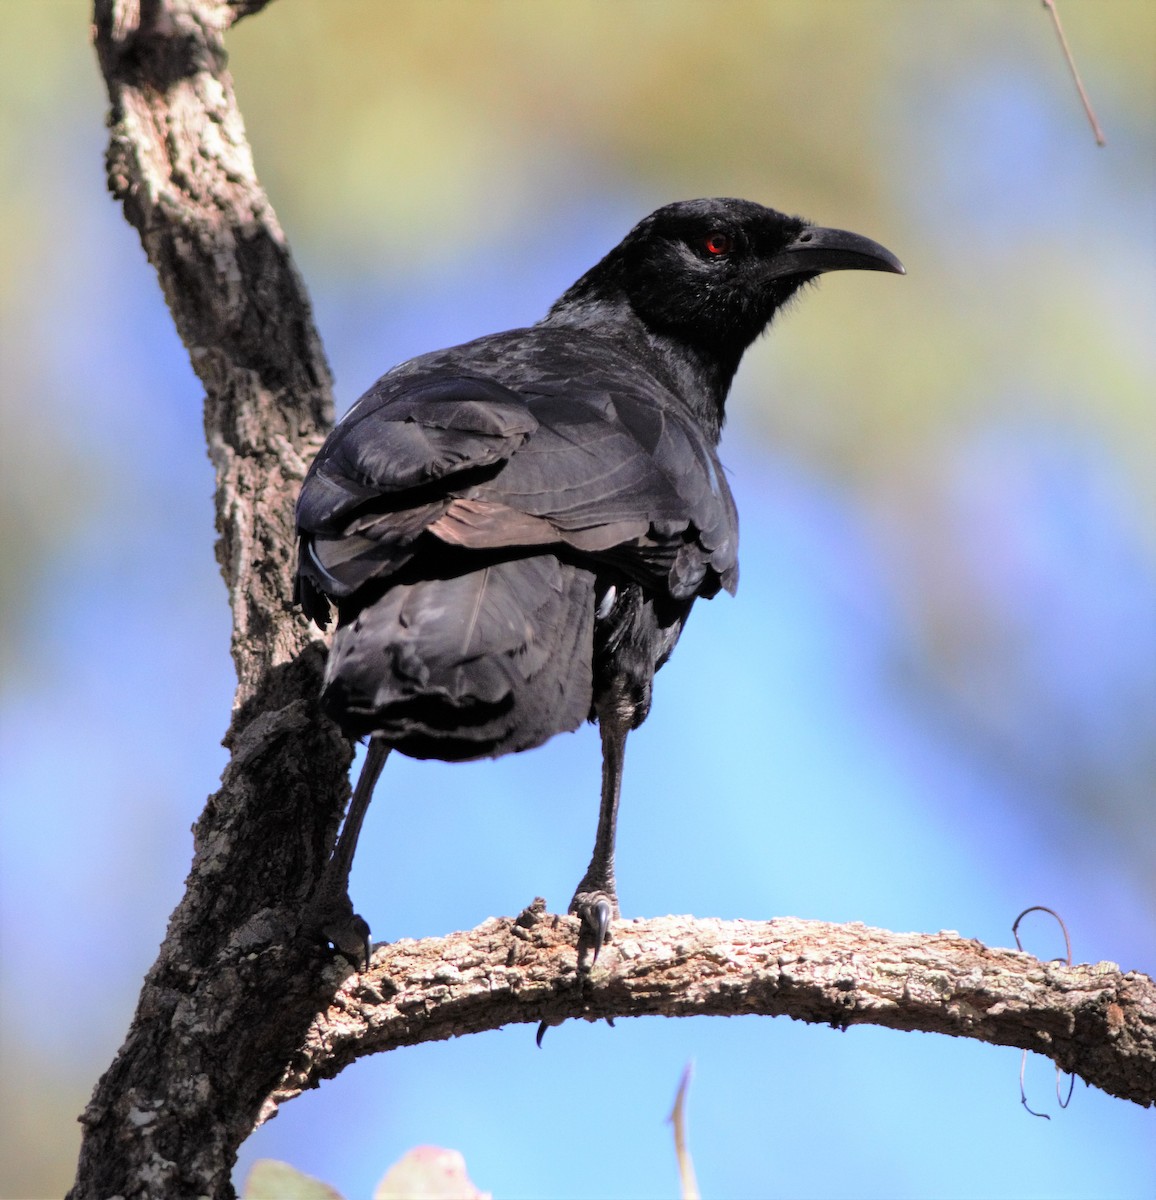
{"points": [[1091, 1019]]}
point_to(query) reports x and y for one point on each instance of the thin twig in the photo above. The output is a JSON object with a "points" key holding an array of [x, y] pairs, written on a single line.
{"points": [[689, 1184], [1101, 140], [1062, 1100]]}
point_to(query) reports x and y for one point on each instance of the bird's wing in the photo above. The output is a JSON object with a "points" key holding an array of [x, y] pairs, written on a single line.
{"points": [[385, 473], [624, 477], [619, 474], [405, 434]]}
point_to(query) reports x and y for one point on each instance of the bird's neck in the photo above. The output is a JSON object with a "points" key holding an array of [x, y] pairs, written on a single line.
{"points": [[699, 375], [702, 377]]}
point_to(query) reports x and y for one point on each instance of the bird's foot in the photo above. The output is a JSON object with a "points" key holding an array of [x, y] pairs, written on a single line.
{"points": [[597, 909], [331, 916]]}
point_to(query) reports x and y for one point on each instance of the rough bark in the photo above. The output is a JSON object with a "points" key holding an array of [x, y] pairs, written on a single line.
{"points": [[1091, 1019], [241, 1009], [235, 984]]}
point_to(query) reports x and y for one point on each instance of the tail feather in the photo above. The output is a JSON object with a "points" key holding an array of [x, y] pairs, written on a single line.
{"points": [[478, 665]]}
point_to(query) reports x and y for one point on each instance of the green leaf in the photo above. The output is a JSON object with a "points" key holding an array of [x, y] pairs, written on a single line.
{"points": [[273, 1180]]}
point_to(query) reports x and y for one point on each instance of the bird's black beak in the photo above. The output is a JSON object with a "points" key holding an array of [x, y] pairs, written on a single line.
{"points": [[816, 250]]}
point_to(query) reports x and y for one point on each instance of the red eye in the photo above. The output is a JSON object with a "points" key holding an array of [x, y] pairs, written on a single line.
{"points": [[718, 243]]}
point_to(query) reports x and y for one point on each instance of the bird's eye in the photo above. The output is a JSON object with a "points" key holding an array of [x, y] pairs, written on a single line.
{"points": [[718, 243]]}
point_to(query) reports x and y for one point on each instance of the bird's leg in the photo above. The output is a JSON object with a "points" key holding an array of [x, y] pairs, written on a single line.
{"points": [[596, 900], [331, 911]]}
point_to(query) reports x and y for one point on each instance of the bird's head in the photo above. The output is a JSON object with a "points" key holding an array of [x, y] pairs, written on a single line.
{"points": [[709, 275], [718, 270]]}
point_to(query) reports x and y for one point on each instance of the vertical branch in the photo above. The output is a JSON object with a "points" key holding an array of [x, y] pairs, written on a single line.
{"points": [[235, 984]]}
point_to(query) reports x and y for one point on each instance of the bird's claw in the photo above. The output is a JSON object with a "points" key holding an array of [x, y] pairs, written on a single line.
{"points": [[598, 917], [333, 919], [597, 910]]}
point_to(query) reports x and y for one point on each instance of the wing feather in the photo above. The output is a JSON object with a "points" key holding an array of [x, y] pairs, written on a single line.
{"points": [[571, 449]]}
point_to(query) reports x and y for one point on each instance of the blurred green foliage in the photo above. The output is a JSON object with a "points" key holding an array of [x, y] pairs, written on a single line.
{"points": [[48, 84], [393, 135]]}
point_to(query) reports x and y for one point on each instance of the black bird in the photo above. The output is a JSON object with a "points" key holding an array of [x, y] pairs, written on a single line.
{"points": [[513, 531]]}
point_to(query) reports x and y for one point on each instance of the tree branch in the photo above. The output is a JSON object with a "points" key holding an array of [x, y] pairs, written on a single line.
{"points": [[227, 1023], [236, 983], [1092, 1019]]}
